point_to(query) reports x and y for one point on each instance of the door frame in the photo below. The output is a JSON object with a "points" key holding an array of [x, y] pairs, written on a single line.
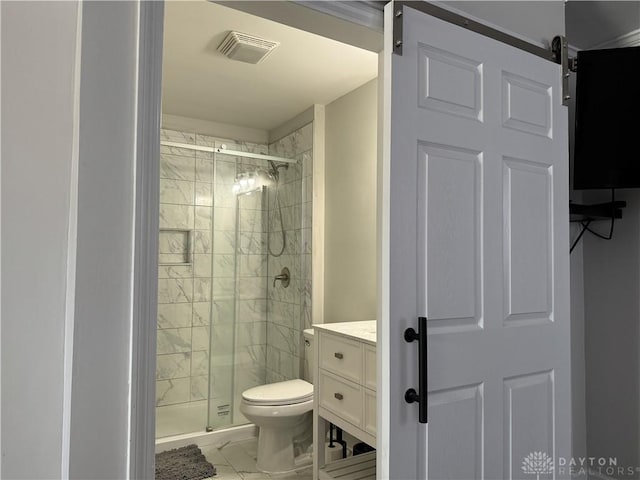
{"points": [[335, 20], [145, 264]]}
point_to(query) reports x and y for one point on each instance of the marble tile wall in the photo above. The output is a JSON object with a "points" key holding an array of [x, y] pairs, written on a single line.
{"points": [[289, 309], [202, 351]]}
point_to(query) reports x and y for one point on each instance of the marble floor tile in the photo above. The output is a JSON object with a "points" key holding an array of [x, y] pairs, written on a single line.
{"points": [[213, 455], [237, 461], [226, 472], [304, 474]]}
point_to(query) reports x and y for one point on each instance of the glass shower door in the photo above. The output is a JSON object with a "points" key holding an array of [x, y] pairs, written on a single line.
{"points": [[239, 290]]}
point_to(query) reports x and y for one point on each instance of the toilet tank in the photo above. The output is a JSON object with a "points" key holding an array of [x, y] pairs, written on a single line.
{"points": [[307, 373]]}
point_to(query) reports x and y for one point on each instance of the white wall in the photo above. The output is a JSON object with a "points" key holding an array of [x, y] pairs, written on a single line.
{"points": [[103, 314], [579, 420], [612, 335], [350, 264], [38, 68]]}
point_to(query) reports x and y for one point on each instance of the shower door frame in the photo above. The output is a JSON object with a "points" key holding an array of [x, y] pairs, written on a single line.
{"points": [[358, 25]]}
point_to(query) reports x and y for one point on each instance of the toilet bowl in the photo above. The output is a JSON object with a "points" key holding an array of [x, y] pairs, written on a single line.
{"points": [[282, 411]]}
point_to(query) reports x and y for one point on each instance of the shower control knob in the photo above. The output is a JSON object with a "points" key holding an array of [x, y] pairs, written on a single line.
{"points": [[284, 277]]}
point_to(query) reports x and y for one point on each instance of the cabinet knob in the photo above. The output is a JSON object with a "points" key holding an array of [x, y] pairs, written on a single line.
{"points": [[339, 396], [338, 355]]}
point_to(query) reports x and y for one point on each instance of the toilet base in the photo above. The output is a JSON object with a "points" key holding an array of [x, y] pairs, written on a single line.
{"points": [[282, 448], [286, 423]]}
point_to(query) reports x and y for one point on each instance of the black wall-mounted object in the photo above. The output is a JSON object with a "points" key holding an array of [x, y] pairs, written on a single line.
{"points": [[599, 211], [607, 124], [420, 397]]}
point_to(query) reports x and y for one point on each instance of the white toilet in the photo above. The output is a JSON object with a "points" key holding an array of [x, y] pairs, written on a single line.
{"points": [[282, 411]]}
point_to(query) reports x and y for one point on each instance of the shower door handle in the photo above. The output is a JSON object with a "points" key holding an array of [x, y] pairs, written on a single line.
{"points": [[419, 397]]}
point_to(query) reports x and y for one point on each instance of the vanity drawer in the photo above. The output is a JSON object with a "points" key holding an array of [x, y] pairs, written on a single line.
{"points": [[370, 410], [341, 397], [341, 356], [370, 363]]}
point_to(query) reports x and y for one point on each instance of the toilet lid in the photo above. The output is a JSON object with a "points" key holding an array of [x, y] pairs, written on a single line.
{"points": [[281, 393]]}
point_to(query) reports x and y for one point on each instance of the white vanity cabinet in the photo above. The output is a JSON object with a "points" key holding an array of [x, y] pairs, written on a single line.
{"points": [[345, 388]]}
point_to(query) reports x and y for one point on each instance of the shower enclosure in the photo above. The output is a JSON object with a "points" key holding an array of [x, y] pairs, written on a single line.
{"points": [[233, 217]]}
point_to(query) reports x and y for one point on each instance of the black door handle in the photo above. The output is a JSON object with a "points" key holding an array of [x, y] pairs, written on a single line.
{"points": [[420, 397]]}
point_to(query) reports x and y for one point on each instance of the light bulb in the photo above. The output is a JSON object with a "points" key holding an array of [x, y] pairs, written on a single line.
{"points": [[235, 188], [243, 182], [252, 180]]}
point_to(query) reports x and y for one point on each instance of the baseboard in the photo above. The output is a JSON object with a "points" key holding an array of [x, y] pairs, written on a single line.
{"points": [[218, 437]]}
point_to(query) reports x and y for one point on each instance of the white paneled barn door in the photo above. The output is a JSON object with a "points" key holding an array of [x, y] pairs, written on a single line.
{"points": [[477, 204]]}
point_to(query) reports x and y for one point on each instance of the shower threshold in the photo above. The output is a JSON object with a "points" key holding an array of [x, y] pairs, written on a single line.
{"points": [[217, 437]]}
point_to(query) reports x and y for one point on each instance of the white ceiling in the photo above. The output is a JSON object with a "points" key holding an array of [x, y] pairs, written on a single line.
{"points": [[199, 82], [592, 23]]}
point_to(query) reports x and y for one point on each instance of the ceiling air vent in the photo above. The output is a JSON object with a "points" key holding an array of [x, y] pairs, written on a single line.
{"points": [[246, 48]]}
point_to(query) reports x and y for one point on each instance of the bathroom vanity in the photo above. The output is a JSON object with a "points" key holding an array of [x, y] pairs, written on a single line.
{"points": [[345, 392]]}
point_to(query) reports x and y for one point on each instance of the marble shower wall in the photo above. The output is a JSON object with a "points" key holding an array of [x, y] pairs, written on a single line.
{"points": [[289, 309], [196, 196]]}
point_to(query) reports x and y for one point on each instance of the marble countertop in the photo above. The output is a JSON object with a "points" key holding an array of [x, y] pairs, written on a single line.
{"points": [[364, 331]]}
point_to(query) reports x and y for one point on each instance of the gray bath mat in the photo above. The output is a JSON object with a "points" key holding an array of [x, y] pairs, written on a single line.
{"points": [[185, 463]]}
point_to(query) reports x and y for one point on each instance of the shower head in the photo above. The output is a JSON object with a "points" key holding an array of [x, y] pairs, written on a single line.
{"points": [[275, 167], [253, 178]]}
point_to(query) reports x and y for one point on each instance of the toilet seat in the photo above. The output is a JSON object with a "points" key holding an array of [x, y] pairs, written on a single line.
{"points": [[289, 392]]}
